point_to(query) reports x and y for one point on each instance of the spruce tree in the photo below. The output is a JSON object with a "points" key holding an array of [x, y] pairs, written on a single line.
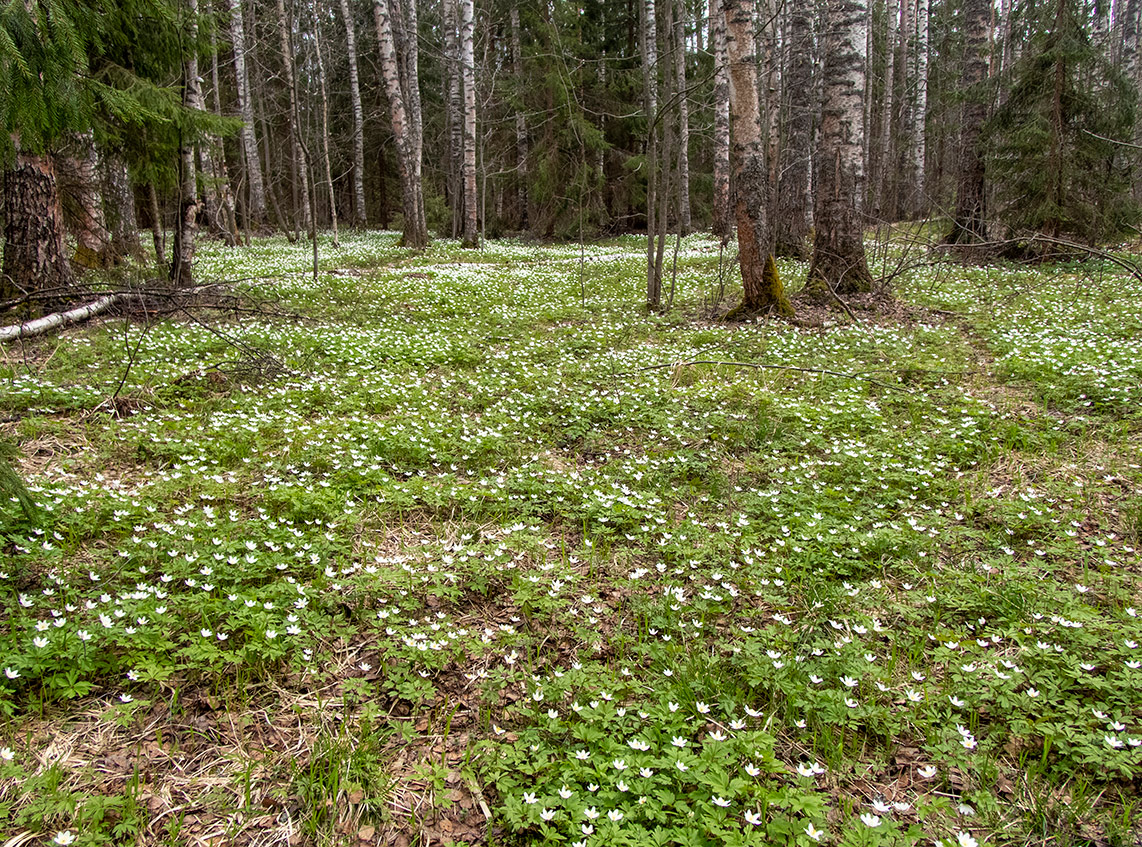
{"points": [[1052, 156], [70, 67]]}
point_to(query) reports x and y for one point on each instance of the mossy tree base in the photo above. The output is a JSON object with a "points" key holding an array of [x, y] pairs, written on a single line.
{"points": [[768, 298]]}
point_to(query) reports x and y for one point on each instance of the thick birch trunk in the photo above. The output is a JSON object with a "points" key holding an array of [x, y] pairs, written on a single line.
{"points": [[468, 74], [359, 212], [763, 291], [34, 258], [256, 188], [838, 244], [723, 224], [412, 203]]}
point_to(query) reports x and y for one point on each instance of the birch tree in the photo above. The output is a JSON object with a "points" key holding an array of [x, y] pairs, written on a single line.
{"points": [[186, 228], [761, 284], [468, 74], [359, 211], [405, 119], [255, 186], [838, 260]]}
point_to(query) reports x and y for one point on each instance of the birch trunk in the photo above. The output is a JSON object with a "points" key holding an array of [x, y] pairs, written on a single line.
{"points": [[298, 163], [918, 207], [763, 291], [468, 77], [453, 116], [970, 225], [838, 245], [684, 223], [412, 203], [360, 219], [256, 189], [649, 39], [214, 185], [182, 260], [723, 225], [325, 127]]}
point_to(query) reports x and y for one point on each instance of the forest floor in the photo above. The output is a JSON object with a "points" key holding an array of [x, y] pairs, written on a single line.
{"points": [[462, 547]]}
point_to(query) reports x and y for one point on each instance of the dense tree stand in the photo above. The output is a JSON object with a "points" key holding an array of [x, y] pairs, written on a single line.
{"points": [[34, 259]]}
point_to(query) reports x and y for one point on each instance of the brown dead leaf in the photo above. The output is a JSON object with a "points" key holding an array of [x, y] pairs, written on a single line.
{"points": [[366, 833]]}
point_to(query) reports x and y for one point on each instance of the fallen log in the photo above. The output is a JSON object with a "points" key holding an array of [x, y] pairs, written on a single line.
{"points": [[39, 326]]}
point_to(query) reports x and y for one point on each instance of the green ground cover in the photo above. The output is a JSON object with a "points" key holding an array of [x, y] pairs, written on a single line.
{"points": [[458, 547]]}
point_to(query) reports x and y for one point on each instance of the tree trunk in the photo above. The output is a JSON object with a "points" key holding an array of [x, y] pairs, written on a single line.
{"points": [[408, 37], [792, 225], [838, 245], [684, 223], [325, 127], [520, 125], [763, 291], [119, 208], [649, 44], [221, 173], [970, 224], [412, 199], [77, 172], [360, 219], [182, 260], [256, 189], [298, 163], [918, 207], [722, 224], [884, 160], [468, 74], [158, 231], [34, 258], [453, 116], [214, 189]]}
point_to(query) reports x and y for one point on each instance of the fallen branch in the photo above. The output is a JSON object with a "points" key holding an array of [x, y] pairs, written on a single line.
{"points": [[39, 326], [759, 366]]}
